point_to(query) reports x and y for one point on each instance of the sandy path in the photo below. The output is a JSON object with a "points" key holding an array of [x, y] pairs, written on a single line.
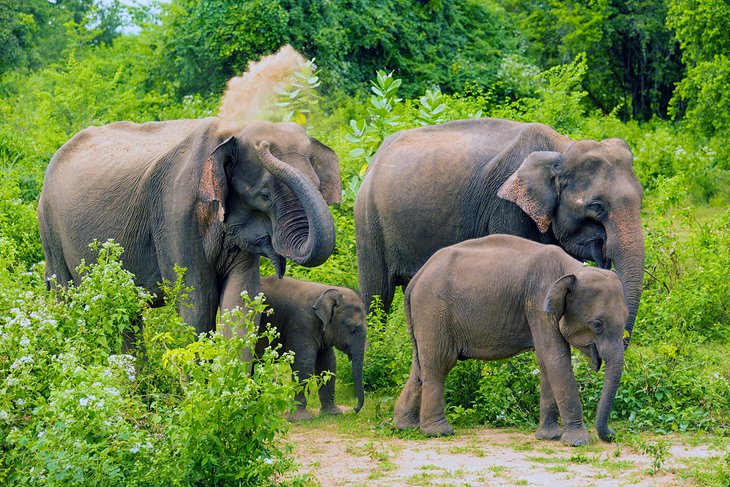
{"points": [[481, 456]]}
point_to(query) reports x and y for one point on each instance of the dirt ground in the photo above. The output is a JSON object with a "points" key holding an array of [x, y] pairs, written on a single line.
{"points": [[338, 455]]}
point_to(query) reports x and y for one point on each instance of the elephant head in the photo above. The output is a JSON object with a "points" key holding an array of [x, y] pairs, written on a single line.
{"points": [[590, 310], [269, 186], [344, 327], [589, 196]]}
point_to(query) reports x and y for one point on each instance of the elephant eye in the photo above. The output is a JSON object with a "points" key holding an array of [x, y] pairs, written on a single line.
{"points": [[265, 194], [353, 330], [596, 207], [597, 326]]}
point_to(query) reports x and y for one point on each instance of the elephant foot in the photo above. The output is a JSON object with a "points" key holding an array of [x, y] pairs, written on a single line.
{"points": [[405, 421], [437, 428], [300, 415], [331, 409], [551, 432], [576, 437]]}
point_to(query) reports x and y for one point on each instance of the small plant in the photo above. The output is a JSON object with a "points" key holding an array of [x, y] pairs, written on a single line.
{"points": [[297, 95], [367, 134], [432, 108], [658, 452]]}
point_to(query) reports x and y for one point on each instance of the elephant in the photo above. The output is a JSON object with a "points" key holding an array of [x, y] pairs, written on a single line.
{"points": [[191, 193], [497, 296], [311, 319], [434, 186]]}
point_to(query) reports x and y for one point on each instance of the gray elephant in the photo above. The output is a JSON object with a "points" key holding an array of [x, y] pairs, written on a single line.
{"points": [[312, 318], [431, 187], [498, 296], [187, 192]]}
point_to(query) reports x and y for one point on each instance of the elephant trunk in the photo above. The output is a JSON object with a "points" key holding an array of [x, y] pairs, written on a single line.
{"points": [[612, 377], [303, 228], [625, 246], [357, 360]]}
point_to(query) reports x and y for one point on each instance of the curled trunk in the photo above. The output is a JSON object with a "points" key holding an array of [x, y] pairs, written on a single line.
{"points": [[303, 230]]}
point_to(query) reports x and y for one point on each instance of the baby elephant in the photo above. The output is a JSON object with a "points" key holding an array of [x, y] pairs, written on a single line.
{"points": [[494, 297], [311, 319]]}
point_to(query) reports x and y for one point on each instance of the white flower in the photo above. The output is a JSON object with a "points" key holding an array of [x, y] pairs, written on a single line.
{"points": [[20, 401], [4, 415], [11, 381], [84, 401], [135, 448], [24, 342], [268, 461], [25, 359]]}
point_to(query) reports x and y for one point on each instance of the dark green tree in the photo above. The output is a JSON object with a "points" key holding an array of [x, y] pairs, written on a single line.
{"points": [[634, 60]]}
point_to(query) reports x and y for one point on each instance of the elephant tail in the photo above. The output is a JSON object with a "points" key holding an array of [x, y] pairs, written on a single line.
{"points": [[415, 365]]}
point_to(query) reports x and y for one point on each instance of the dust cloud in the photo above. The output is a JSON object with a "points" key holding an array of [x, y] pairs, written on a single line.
{"points": [[247, 95]]}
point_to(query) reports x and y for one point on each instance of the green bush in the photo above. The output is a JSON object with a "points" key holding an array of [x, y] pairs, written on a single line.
{"points": [[74, 411]]}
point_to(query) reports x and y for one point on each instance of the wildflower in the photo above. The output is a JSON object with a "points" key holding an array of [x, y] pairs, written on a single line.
{"points": [[24, 342], [25, 359], [4, 415], [20, 401], [135, 448]]}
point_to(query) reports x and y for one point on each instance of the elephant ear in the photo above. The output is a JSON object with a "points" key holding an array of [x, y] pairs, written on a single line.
{"points": [[213, 187], [327, 166], [555, 299], [325, 305], [532, 187]]}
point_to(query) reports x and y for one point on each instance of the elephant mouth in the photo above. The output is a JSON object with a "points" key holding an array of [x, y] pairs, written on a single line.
{"points": [[264, 248], [596, 251], [591, 352]]}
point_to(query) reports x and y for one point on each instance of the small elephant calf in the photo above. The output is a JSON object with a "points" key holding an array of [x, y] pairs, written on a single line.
{"points": [[311, 319], [498, 296]]}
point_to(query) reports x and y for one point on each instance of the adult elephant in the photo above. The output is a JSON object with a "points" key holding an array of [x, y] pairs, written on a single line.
{"points": [[434, 186], [187, 192]]}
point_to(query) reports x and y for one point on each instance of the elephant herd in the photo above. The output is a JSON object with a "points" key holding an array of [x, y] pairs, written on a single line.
{"points": [[482, 222]]}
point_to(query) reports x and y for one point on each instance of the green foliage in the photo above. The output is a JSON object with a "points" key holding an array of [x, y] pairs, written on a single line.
{"points": [[388, 356], [686, 268], [74, 411], [298, 95], [704, 97], [432, 108]]}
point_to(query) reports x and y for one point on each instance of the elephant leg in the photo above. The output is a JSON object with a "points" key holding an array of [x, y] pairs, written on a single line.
{"points": [[244, 276], [304, 367], [408, 408], [326, 361], [549, 428], [374, 279], [555, 361], [434, 368]]}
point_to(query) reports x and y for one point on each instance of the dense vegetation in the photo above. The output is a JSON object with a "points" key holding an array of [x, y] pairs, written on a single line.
{"points": [[74, 411]]}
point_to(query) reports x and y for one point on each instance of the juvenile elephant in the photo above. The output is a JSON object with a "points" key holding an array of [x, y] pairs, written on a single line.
{"points": [[311, 319], [495, 297], [430, 187], [188, 192]]}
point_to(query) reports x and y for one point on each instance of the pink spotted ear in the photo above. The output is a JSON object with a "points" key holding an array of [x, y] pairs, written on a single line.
{"points": [[213, 187], [532, 187]]}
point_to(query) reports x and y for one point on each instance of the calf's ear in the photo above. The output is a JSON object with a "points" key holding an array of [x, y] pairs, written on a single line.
{"points": [[556, 296], [325, 305]]}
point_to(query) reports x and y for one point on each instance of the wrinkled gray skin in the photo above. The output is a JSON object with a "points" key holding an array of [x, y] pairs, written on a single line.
{"points": [[431, 187], [312, 318], [498, 296], [185, 192]]}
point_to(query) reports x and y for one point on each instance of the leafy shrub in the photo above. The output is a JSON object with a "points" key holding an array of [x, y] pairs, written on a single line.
{"points": [[388, 357], [74, 411]]}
